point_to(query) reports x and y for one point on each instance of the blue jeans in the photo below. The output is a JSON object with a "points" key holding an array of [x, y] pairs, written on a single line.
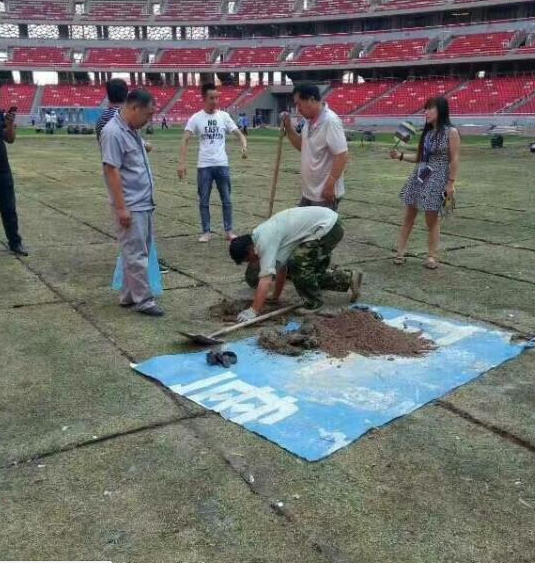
{"points": [[205, 179]]}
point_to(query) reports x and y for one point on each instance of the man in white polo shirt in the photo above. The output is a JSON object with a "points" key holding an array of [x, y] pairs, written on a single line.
{"points": [[211, 125], [323, 146]]}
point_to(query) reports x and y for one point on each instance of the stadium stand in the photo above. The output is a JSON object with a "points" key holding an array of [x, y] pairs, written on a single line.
{"points": [[40, 56], [527, 108], [267, 9], [410, 97], [480, 44], [39, 10], [112, 57], [65, 95], [186, 57], [490, 95], [260, 56], [191, 101], [20, 95], [162, 95], [250, 96], [117, 10], [398, 50], [325, 54], [345, 99], [191, 10]]}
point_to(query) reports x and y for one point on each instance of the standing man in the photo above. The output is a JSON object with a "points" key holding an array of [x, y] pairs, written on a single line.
{"points": [[117, 91], [307, 236], [8, 208], [211, 126], [323, 146], [130, 183], [164, 123]]}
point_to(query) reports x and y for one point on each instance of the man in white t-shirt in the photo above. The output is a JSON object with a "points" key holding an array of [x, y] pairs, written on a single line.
{"points": [[323, 146], [305, 236], [211, 126]]}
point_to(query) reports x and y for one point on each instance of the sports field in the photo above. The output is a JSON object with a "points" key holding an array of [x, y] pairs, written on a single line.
{"points": [[97, 463]]}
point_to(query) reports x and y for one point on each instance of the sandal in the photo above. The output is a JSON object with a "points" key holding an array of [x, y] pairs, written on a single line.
{"points": [[400, 260], [431, 263]]}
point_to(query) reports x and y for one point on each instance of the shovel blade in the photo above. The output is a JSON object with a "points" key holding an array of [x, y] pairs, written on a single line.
{"points": [[201, 339]]}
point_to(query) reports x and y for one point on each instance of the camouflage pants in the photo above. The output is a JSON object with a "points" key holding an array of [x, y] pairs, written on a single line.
{"points": [[311, 272]]}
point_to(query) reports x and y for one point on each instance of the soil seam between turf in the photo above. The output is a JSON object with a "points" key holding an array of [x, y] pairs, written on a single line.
{"points": [[493, 428], [103, 439]]}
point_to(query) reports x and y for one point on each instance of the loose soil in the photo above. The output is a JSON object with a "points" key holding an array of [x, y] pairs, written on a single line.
{"points": [[226, 310], [352, 331]]}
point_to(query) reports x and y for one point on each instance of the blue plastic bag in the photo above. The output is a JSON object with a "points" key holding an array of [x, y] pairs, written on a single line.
{"points": [[155, 278]]}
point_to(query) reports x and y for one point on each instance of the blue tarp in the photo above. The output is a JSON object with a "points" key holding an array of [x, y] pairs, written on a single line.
{"points": [[314, 405]]}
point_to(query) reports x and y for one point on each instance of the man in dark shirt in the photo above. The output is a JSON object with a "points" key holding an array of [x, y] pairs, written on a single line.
{"points": [[8, 209], [117, 90]]}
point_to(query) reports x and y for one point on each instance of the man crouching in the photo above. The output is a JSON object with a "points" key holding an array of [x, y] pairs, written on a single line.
{"points": [[307, 236]]}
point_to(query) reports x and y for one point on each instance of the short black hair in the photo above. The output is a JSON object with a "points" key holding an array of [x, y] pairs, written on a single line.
{"points": [[117, 90], [139, 97], [206, 87], [239, 248], [307, 91]]}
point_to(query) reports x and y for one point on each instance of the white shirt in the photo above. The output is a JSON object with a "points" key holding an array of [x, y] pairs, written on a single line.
{"points": [[321, 142], [211, 129], [276, 239]]}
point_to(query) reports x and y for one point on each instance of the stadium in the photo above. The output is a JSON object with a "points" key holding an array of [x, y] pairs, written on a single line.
{"points": [[377, 60], [334, 366]]}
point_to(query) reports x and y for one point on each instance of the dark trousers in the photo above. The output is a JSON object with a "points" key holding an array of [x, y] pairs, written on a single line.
{"points": [[8, 209]]}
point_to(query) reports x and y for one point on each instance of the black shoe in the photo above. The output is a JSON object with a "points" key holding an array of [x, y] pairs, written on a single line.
{"points": [[19, 249], [154, 311]]}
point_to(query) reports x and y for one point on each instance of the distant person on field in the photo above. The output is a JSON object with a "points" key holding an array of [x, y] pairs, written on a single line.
{"points": [[323, 146], [117, 91], [432, 182], [211, 125], [48, 121], [8, 209], [131, 186], [164, 123], [243, 124]]}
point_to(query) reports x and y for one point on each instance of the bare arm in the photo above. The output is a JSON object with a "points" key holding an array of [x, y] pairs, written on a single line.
{"points": [[181, 169], [262, 292], [9, 131], [293, 135], [339, 164], [116, 187], [280, 282], [455, 153], [396, 155], [243, 141]]}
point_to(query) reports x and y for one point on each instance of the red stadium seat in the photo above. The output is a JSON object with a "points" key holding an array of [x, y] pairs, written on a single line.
{"points": [[410, 97], [186, 57], [347, 98], [112, 57], [20, 95], [397, 50], [65, 95], [191, 101], [40, 56], [480, 44], [339, 53]]}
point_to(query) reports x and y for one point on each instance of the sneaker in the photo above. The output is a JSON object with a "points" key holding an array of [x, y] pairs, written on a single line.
{"points": [[205, 237], [306, 311], [163, 269], [230, 236], [355, 285], [154, 311], [19, 250]]}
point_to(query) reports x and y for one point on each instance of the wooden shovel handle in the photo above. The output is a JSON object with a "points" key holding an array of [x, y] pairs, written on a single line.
{"points": [[259, 319], [275, 181]]}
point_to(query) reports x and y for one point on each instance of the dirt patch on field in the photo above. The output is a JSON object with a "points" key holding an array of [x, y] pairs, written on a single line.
{"points": [[361, 332], [227, 310]]}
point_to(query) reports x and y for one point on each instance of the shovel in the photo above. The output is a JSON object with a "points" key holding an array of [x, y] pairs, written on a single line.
{"points": [[211, 339]]}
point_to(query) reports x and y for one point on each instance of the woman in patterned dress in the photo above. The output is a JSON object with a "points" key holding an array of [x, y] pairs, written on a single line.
{"points": [[433, 179]]}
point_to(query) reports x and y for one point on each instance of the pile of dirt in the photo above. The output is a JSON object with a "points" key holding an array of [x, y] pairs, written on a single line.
{"points": [[361, 332]]}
